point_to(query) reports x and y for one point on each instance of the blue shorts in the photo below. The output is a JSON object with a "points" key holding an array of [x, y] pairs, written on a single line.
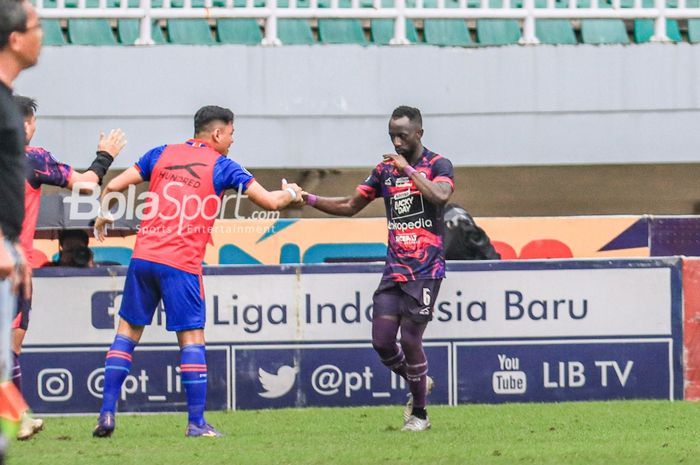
{"points": [[182, 294]]}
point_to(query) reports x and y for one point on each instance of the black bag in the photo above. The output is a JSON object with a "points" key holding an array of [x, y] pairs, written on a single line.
{"points": [[464, 240]]}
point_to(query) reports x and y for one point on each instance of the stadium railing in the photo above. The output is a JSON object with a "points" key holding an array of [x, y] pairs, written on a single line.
{"points": [[528, 12]]}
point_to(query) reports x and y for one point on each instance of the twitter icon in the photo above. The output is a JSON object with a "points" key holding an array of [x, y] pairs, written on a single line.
{"points": [[277, 385]]}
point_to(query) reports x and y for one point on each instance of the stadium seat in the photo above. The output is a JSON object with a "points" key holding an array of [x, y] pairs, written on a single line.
{"points": [[53, 35], [382, 31], [121, 255], [555, 32], [294, 32], [114, 254], [644, 30], [603, 31], [694, 31], [189, 32], [128, 31], [290, 253], [446, 32], [90, 32], [497, 31], [341, 31], [352, 252], [239, 31], [233, 255]]}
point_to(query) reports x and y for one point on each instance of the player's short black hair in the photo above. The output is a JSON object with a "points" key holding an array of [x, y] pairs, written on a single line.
{"points": [[413, 114], [80, 234], [13, 18], [210, 114], [27, 105]]}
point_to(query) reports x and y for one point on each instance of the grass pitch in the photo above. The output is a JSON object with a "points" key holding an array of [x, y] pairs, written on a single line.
{"points": [[640, 432]]}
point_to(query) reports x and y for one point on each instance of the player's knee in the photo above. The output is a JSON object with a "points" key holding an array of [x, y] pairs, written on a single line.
{"points": [[383, 345]]}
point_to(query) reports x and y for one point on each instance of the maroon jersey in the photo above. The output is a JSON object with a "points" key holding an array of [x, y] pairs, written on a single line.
{"points": [[416, 228]]}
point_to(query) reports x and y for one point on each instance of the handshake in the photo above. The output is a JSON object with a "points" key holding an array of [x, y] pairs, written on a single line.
{"points": [[298, 195]]}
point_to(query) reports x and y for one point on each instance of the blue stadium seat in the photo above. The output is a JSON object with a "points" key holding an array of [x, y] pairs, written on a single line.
{"points": [[294, 32], [128, 31], [243, 31], [352, 252], [121, 255], [233, 255], [115, 254], [382, 31], [341, 31], [90, 32], [189, 32], [53, 35]]}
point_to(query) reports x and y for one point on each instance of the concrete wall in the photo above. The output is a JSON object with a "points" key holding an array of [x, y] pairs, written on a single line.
{"points": [[328, 106]]}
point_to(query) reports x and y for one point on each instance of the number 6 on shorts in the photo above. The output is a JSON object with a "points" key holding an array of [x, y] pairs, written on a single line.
{"points": [[426, 296]]}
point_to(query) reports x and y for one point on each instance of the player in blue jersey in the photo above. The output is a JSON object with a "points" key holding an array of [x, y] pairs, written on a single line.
{"points": [[167, 260], [415, 184]]}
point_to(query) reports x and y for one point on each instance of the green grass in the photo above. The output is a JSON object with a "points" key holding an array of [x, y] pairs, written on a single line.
{"points": [[643, 432]]}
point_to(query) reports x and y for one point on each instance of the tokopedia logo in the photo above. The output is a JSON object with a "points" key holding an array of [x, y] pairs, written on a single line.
{"points": [[402, 225], [277, 385]]}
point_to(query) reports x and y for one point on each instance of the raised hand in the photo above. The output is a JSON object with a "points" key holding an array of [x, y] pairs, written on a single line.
{"points": [[113, 143], [397, 160]]}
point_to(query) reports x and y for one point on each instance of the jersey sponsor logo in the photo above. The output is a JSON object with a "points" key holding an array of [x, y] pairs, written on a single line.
{"points": [[403, 182], [407, 238], [188, 168], [406, 203], [387, 182], [420, 223]]}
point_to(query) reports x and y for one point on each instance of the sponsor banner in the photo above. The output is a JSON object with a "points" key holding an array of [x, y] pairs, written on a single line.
{"points": [[328, 375], [71, 380], [565, 371], [498, 300], [528, 237]]}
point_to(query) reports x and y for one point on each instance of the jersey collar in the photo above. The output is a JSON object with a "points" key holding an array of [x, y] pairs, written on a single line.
{"points": [[198, 143]]}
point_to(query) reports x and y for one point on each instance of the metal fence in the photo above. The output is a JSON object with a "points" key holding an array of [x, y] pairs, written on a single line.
{"points": [[526, 11]]}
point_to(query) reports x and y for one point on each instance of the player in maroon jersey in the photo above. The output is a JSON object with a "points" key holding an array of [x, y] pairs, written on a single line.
{"points": [[415, 184]]}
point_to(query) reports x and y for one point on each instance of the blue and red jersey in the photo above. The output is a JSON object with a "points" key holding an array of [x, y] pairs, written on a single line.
{"points": [[416, 227], [42, 168], [187, 180]]}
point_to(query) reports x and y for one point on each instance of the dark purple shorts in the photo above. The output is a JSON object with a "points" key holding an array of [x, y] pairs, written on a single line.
{"points": [[412, 299]]}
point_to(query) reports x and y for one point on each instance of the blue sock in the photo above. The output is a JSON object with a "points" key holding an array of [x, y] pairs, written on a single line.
{"points": [[193, 369], [117, 366]]}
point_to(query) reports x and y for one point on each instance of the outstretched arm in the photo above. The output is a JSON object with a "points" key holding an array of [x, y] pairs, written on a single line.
{"points": [[118, 184], [340, 206]]}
